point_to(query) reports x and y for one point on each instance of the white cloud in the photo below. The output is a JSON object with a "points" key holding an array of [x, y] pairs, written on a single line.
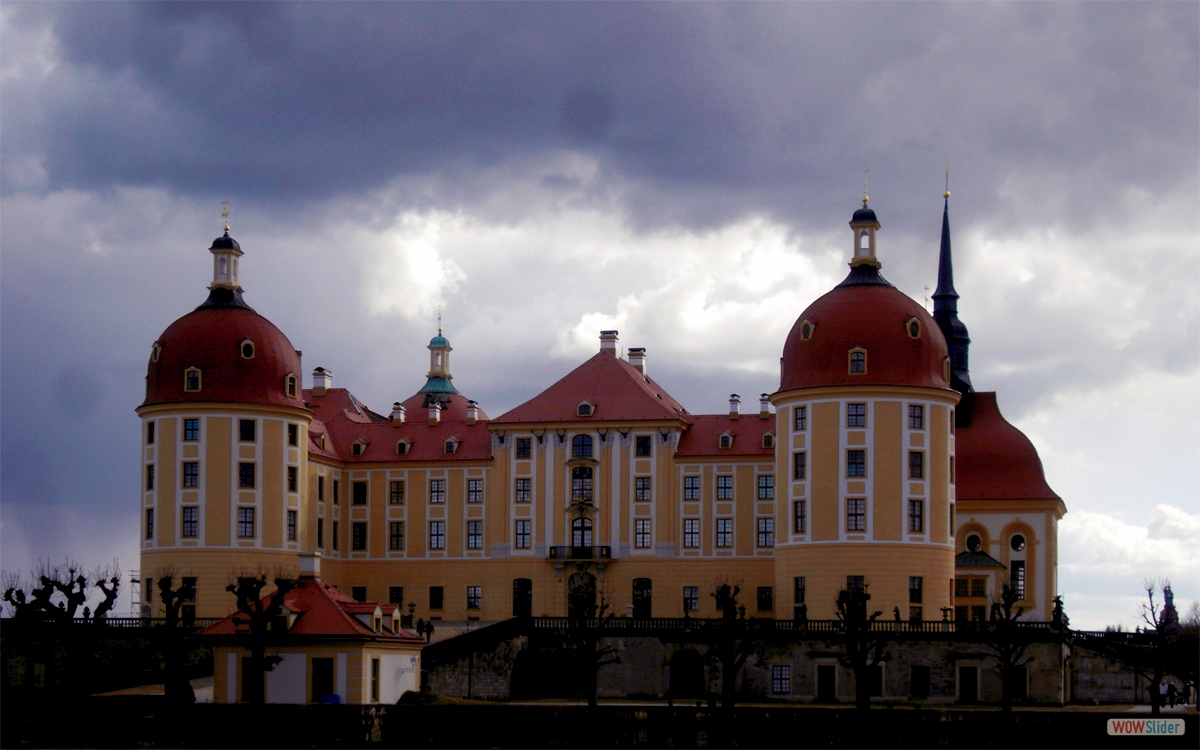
{"points": [[404, 269]]}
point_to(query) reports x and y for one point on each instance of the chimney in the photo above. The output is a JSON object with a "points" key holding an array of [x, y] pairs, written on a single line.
{"points": [[397, 414], [735, 406], [310, 565], [472, 412], [608, 342], [637, 358], [435, 415], [764, 406], [322, 381]]}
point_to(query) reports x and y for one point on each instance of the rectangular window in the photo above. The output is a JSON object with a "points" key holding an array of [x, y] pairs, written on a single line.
{"points": [[321, 489], [642, 533], [916, 516], [474, 597], [916, 465], [396, 492], [725, 488], [800, 517], [358, 536], [293, 434], [800, 465], [149, 433], [524, 447], [800, 418], [918, 682], [641, 489], [436, 597], [978, 612], [916, 417], [855, 583], [952, 470], [781, 679], [246, 476], [691, 533], [437, 535], [336, 536], [191, 474], [724, 532], [691, 598], [524, 492], [336, 492], [321, 533], [293, 479], [191, 429], [766, 487], [766, 598], [358, 593], [916, 592], [691, 488], [358, 493], [798, 590], [766, 532], [291, 525], [474, 490], [856, 463], [581, 484], [978, 587], [149, 523], [960, 587], [1017, 578], [437, 490], [150, 476], [642, 445], [395, 594], [246, 430], [856, 514], [474, 534], [375, 680], [915, 614], [245, 523], [396, 535], [856, 415], [191, 521], [523, 534]]}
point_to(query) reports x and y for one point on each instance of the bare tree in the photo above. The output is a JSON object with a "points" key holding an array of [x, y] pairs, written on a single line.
{"points": [[70, 581], [1007, 646], [729, 639], [863, 649], [592, 615], [108, 580], [260, 616], [178, 688]]}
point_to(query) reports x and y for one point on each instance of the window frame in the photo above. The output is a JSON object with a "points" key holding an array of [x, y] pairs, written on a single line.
{"points": [[857, 361], [437, 491], [799, 589], [149, 478], [396, 492], [291, 525], [188, 385], [643, 489], [359, 536], [474, 491], [643, 446], [189, 522], [800, 419], [293, 434], [396, 536], [856, 415], [765, 595], [800, 517], [189, 476], [800, 466], [524, 449], [523, 490], [437, 535], [691, 598], [691, 533], [916, 465], [474, 597], [856, 463], [247, 426], [247, 475], [246, 522], [191, 429], [437, 597], [856, 515], [725, 487], [583, 484], [766, 532], [724, 533], [360, 492], [523, 533], [691, 487], [642, 534], [766, 486], [475, 534], [583, 446], [916, 417], [916, 589], [293, 479], [149, 523], [781, 679], [916, 516]]}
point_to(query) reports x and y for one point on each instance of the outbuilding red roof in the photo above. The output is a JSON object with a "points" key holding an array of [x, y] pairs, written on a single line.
{"points": [[702, 437], [996, 460], [615, 389]]}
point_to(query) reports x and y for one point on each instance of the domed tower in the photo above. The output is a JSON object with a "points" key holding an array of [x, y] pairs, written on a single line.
{"points": [[865, 419], [224, 431]]}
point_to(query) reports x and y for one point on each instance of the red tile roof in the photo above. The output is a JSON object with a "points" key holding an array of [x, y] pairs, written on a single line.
{"points": [[323, 610], [616, 390], [994, 460], [702, 438]]}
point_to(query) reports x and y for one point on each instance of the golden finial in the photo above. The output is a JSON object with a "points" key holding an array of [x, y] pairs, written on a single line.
{"points": [[865, 170], [439, 320], [947, 193], [225, 214]]}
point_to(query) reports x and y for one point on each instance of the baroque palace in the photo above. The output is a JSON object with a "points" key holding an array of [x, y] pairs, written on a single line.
{"points": [[874, 464]]}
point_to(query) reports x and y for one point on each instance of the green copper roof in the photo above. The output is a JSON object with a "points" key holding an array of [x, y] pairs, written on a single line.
{"points": [[439, 340], [438, 385]]}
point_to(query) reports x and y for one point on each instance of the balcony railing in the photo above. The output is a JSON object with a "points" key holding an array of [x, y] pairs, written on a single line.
{"points": [[581, 553]]}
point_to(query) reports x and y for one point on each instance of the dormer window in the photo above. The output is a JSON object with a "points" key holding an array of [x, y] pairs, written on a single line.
{"points": [[806, 330], [858, 361], [191, 379], [913, 326], [377, 624], [357, 448], [402, 447], [584, 409], [247, 348], [290, 385], [451, 445], [725, 441], [155, 351], [768, 440]]}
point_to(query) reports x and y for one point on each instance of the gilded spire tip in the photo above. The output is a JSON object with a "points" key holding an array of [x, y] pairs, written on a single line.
{"points": [[225, 214]]}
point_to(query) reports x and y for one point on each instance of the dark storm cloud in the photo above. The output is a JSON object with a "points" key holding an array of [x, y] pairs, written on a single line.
{"points": [[700, 112]]}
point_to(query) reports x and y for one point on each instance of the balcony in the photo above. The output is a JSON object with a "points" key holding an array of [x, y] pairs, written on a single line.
{"points": [[581, 553]]}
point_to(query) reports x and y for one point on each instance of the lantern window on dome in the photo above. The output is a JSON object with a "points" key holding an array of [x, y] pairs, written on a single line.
{"points": [[806, 330], [290, 385], [191, 379], [402, 447], [725, 442], [155, 351], [913, 327], [247, 349], [858, 361]]}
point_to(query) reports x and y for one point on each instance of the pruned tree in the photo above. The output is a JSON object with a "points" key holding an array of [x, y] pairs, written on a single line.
{"points": [[108, 580], [1006, 643], [863, 648], [22, 606], [71, 582], [592, 617], [730, 640], [178, 688], [258, 617]]}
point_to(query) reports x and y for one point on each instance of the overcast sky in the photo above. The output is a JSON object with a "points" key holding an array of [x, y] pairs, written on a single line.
{"points": [[681, 172]]}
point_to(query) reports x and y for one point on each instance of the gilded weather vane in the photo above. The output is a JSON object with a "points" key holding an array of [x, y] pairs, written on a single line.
{"points": [[865, 170], [225, 214]]}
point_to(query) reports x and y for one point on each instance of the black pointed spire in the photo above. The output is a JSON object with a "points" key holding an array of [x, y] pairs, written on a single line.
{"points": [[945, 312]]}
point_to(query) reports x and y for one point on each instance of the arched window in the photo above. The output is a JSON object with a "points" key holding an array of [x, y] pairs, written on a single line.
{"points": [[191, 379], [725, 441], [581, 532], [291, 386], [858, 361], [581, 484], [581, 446]]}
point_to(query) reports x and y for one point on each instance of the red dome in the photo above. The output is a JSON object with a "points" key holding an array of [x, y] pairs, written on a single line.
{"points": [[210, 338], [865, 312], [995, 459]]}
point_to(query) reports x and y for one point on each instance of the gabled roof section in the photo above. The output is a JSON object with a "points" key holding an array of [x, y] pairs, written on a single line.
{"points": [[703, 437], [617, 390]]}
